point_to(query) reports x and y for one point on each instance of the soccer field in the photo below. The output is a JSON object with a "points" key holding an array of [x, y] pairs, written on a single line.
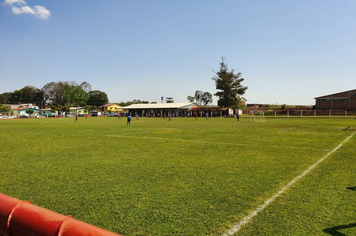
{"points": [[211, 176]]}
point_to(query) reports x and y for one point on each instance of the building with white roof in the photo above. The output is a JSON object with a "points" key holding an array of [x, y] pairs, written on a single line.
{"points": [[159, 109]]}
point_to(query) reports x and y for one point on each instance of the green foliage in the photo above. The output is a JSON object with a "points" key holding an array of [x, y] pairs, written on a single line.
{"points": [[135, 101], [228, 85], [4, 108], [201, 97], [97, 98], [74, 95], [207, 98], [190, 98], [53, 92], [5, 98], [185, 177], [198, 97], [88, 107]]}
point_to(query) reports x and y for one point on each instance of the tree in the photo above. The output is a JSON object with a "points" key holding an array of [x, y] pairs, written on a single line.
{"points": [[28, 94], [17, 96], [201, 97], [5, 98], [30, 112], [169, 100], [53, 92], [206, 98], [5, 109], [32, 94], [124, 104], [88, 108], [86, 86], [228, 85], [39, 98], [97, 98], [190, 98], [74, 95], [198, 96]]}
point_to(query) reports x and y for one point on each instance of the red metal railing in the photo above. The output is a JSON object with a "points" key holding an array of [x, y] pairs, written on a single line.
{"points": [[21, 218]]}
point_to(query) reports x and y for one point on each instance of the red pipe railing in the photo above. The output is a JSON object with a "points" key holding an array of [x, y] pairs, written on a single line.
{"points": [[21, 218]]}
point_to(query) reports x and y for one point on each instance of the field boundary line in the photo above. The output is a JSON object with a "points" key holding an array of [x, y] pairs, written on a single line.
{"points": [[236, 227], [199, 141]]}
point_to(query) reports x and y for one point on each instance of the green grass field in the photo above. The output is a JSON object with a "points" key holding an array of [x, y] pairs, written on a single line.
{"points": [[186, 176]]}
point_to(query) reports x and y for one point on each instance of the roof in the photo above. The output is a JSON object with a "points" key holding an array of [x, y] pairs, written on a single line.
{"points": [[336, 94], [211, 108], [110, 104], [160, 106], [24, 108]]}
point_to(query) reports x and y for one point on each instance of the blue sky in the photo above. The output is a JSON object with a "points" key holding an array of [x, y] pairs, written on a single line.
{"points": [[287, 51]]}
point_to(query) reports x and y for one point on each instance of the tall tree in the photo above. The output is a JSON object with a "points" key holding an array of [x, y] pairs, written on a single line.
{"points": [[198, 96], [228, 85], [207, 98]]}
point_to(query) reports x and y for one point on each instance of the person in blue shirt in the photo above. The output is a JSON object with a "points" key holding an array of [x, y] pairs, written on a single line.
{"points": [[128, 119]]}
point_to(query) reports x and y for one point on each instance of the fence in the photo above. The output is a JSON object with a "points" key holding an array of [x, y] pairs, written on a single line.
{"points": [[308, 113]]}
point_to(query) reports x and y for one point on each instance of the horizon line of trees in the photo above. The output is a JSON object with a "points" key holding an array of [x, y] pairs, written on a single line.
{"points": [[63, 95], [57, 95]]}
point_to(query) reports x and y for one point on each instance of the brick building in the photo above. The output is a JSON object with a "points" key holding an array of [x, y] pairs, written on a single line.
{"points": [[337, 101]]}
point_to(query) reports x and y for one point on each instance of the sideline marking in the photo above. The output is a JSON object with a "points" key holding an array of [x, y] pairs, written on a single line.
{"points": [[212, 142], [236, 227]]}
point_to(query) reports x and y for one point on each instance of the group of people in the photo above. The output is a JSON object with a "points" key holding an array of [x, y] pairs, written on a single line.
{"points": [[170, 117]]}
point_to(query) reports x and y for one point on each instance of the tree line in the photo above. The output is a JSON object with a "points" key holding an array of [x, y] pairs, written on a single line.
{"points": [[57, 95], [63, 95]]}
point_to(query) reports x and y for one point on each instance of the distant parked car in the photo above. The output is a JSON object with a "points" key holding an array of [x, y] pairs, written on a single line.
{"points": [[113, 114]]}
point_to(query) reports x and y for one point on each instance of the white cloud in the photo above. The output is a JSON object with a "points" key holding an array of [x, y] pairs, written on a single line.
{"points": [[11, 2], [22, 8], [42, 12]]}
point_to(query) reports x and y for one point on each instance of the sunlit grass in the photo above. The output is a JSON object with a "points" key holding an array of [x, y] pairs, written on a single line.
{"points": [[185, 176]]}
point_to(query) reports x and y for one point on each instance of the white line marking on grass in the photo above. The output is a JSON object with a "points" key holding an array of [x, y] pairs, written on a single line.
{"points": [[212, 142], [235, 228]]}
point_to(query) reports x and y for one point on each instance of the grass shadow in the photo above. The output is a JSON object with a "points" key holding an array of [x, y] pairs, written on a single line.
{"points": [[335, 230], [352, 188]]}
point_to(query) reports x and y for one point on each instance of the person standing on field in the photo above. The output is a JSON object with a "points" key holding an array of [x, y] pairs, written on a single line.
{"points": [[128, 119], [238, 116]]}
